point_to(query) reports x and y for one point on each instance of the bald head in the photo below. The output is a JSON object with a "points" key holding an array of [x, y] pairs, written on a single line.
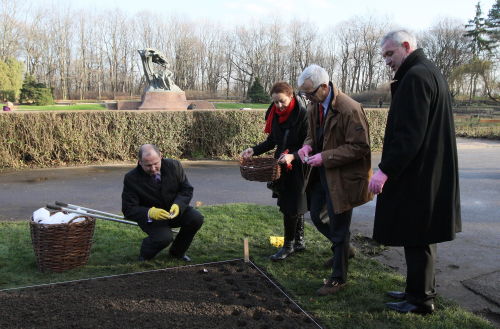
{"points": [[147, 150], [150, 159]]}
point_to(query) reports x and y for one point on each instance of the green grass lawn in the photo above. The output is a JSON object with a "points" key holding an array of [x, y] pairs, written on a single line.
{"points": [[237, 106], [359, 305], [73, 107]]}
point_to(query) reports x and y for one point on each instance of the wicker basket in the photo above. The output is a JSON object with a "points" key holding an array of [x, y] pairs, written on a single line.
{"points": [[61, 247], [260, 169]]}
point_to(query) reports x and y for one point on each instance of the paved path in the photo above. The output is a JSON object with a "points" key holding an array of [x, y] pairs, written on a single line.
{"points": [[473, 259]]}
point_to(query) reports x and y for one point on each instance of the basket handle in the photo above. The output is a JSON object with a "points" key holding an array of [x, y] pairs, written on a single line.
{"points": [[72, 219]]}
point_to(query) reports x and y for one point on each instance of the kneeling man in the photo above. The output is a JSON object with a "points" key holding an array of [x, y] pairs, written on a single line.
{"points": [[155, 185]]}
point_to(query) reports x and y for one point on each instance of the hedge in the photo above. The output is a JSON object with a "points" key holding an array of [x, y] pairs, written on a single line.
{"points": [[50, 139]]}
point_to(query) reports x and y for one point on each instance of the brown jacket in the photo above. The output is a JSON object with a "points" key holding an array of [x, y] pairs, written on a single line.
{"points": [[346, 150]]}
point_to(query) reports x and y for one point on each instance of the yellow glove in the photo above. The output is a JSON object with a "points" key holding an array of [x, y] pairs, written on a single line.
{"points": [[158, 213], [174, 211]]}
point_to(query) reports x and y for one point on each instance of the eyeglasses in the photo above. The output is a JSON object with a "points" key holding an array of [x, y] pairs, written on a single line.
{"points": [[311, 94]]}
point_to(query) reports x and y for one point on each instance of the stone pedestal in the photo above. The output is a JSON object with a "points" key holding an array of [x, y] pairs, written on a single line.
{"points": [[128, 105], [164, 100]]}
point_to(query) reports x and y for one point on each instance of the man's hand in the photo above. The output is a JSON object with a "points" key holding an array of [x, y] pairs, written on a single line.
{"points": [[315, 160], [377, 182], [158, 213], [304, 151], [174, 211]]}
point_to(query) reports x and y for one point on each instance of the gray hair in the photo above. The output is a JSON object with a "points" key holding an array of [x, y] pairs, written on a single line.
{"points": [[146, 150], [315, 73], [400, 36]]}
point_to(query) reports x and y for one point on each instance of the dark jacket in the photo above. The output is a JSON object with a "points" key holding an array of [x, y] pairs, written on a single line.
{"points": [[140, 192], [420, 202], [291, 199], [345, 150]]}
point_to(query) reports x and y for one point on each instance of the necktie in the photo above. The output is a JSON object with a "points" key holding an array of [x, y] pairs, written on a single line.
{"points": [[321, 114], [157, 178]]}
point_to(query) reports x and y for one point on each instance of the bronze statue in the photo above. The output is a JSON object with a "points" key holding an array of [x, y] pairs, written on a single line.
{"points": [[159, 77]]}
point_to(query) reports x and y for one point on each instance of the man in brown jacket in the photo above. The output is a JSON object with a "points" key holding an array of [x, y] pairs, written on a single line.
{"points": [[337, 148]]}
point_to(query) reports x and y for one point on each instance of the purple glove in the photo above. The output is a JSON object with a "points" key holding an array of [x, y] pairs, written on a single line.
{"points": [[377, 182], [315, 160], [304, 151]]}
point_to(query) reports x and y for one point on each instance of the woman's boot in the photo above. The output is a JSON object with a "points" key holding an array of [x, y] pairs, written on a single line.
{"points": [[299, 244], [290, 223]]}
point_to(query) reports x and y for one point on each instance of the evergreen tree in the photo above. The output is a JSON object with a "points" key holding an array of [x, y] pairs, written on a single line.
{"points": [[476, 31], [493, 23], [482, 46], [256, 93], [35, 93]]}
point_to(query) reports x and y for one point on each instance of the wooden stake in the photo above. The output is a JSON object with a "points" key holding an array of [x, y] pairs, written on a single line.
{"points": [[246, 253]]}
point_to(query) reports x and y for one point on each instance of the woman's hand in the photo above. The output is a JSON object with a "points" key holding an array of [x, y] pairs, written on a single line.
{"points": [[247, 153], [286, 158]]}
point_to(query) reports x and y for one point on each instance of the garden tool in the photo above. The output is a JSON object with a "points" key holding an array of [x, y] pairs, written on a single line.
{"points": [[90, 210], [91, 213]]}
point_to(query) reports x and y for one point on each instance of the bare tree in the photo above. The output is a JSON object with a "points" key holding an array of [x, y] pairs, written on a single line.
{"points": [[446, 45], [94, 53], [10, 28]]}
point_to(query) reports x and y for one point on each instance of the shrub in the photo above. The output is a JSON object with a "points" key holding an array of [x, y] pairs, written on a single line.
{"points": [[257, 94], [46, 139], [36, 93], [8, 95], [374, 96]]}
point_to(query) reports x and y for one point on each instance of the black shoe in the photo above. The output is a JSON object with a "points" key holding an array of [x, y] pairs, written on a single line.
{"points": [[282, 254], [407, 307], [184, 258], [396, 294]]}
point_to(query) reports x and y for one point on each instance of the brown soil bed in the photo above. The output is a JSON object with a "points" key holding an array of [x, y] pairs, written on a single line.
{"points": [[219, 295]]}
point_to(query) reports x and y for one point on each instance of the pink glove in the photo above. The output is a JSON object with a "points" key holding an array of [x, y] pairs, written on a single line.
{"points": [[304, 151], [377, 182], [315, 160]]}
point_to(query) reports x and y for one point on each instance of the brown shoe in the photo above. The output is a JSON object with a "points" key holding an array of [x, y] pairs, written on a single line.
{"points": [[330, 287], [351, 254]]}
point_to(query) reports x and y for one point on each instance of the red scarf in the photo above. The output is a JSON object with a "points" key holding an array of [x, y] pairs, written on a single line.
{"points": [[282, 115]]}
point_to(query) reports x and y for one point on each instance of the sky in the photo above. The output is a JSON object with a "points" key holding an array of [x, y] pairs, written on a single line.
{"points": [[415, 15]]}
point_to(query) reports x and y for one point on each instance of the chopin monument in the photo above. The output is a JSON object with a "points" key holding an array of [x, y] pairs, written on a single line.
{"points": [[161, 93]]}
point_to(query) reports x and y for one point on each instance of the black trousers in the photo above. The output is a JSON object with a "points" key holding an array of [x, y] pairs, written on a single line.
{"points": [[420, 274], [338, 228], [160, 234]]}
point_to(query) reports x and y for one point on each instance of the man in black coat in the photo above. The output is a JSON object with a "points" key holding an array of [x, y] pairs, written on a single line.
{"points": [[149, 189], [419, 201]]}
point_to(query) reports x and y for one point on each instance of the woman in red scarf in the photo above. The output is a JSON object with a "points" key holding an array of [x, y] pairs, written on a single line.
{"points": [[286, 126]]}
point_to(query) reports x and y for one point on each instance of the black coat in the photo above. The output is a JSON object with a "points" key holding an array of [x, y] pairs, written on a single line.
{"points": [[140, 192], [291, 199], [420, 202]]}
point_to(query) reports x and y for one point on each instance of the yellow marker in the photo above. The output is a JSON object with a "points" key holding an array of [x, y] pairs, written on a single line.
{"points": [[277, 241]]}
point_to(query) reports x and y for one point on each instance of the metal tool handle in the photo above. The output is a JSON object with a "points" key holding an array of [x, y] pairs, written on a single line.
{"points": [[91, 215], [73, 206]]}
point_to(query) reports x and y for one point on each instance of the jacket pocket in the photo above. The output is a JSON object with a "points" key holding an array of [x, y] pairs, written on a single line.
{"points": [[356, 190]]}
